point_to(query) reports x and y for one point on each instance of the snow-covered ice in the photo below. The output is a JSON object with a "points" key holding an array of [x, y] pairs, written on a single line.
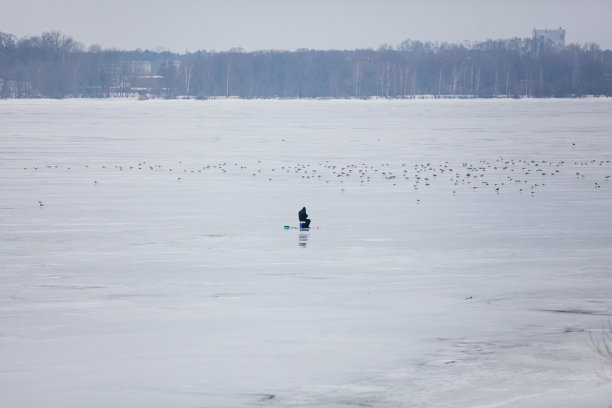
{"points": [[461, 254]]}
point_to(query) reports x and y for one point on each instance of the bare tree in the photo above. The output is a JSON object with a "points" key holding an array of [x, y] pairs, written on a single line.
{"points": [[357, 85], [507, 78], [227, 81], [456, 75], [478, 80], [187, 65], [602, 345], [495, 83], [387, 75]]}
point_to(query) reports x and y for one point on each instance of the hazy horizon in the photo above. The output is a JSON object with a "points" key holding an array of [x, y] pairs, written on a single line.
{"points": [[290, 25]]}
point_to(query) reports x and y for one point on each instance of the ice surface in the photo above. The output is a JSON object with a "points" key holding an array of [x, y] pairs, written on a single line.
{"points": [[157, 271]]}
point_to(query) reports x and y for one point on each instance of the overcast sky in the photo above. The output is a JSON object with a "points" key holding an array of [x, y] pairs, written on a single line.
{"points": [[190, 25]]}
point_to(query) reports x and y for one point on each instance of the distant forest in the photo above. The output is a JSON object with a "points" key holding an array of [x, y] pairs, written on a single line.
{"points": [[54, 65]]}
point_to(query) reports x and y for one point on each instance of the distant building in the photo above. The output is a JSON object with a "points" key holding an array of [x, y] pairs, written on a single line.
{"points": [[140, 68], [556, 37], [132, 78]]}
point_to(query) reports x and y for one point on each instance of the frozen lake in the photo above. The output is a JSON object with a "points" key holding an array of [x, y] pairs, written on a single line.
{"points": [[461, 253]]}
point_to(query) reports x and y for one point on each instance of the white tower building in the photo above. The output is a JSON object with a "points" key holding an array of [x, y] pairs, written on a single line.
{"points": [[556, 37]]}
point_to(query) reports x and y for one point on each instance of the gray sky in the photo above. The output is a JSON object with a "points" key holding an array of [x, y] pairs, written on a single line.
{"points": [[180, 25]]}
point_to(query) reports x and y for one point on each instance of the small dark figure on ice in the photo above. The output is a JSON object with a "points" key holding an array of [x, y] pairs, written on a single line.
{"points": [[304, 221]]}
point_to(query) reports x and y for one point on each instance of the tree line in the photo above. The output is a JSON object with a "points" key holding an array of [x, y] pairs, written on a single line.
{"points": [[56, 66]]}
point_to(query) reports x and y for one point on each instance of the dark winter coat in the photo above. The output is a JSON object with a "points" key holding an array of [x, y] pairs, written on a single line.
{"points": [[302, 214]]}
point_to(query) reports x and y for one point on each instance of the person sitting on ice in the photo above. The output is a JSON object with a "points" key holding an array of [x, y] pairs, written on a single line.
{"points": [[304, 221]]}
